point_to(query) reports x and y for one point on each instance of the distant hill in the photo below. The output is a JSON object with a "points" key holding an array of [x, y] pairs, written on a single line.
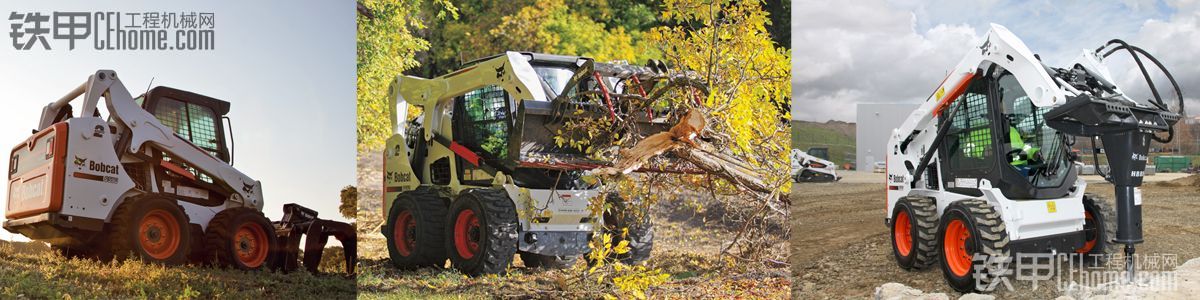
{"points": [[25, 247], [838, 136]]}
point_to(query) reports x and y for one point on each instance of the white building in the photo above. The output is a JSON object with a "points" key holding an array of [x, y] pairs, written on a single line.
{"points": [[875, 122]]}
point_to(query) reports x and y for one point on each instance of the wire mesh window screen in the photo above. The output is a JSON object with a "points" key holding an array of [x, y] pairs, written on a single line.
{"points": [[204, 127], [971, 134], [173, 113], [977, 135], [194, 123], [484, 125]]}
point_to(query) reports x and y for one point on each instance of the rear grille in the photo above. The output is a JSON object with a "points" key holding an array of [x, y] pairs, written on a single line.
{"points": [[137, 172]]}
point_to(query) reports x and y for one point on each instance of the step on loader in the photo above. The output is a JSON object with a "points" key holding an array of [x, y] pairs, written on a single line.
{"points": [[477, 178], [154, 180], [983, 169]]}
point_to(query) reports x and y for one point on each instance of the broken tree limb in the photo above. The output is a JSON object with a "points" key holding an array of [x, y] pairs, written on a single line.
{"points": [[725, 167], [679, 140]]}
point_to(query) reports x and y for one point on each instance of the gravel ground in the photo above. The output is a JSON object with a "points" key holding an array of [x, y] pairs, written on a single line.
{"points": [[841, 248]]}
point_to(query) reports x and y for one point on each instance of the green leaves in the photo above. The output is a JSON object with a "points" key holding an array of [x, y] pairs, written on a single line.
{"points": [[387, 47]]}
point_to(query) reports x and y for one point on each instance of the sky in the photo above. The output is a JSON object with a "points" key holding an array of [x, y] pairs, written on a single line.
{"points": [[897, 51], [286, 67]]}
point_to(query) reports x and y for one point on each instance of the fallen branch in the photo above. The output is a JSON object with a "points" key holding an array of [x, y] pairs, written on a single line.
{"points": [[680, 141]]}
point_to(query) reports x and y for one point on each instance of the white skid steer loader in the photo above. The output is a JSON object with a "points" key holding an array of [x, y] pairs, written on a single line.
{"points": [[808, 168], [154, 181], [983, 169]]}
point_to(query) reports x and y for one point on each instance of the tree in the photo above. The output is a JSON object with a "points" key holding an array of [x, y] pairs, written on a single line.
{"points": [[747, 75], [349, 202], [550, 26], [387, 47], [748, 78]]}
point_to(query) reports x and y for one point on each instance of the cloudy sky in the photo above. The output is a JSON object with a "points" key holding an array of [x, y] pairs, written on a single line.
{"points": [[896, 51], [287, 69]]}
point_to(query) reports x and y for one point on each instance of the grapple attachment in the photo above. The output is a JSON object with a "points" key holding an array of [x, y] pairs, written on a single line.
{"points": [[628, 98], [299, 221]]}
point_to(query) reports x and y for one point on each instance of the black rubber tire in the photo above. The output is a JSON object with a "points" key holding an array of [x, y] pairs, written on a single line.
{"points": [[222, 246], [987, 237], [498, 231], [534, 260], [124, 235], [641, 231], [1104, 229], [428, 210], [922, 215]]}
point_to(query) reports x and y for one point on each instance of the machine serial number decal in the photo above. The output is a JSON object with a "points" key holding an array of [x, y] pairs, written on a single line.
{"points": [[966, 183], [1137, 196]]}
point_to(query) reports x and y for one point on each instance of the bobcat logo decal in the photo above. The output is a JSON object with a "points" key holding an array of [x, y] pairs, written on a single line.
{"points": [[248, 188], [500, 72], [80, 161]]}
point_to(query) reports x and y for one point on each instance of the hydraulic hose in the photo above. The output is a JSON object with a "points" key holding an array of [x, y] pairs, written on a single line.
{"points": [[1158, 102]]}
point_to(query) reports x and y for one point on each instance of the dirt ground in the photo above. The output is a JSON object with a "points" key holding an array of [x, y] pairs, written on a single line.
{"points": [[687, 247], [841, 248]]}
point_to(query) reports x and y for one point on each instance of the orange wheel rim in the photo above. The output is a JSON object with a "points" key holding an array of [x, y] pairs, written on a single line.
{"points": [[466, 234], [958, 257], [159, 234], [1089, 223], [404, 233], [251, 245], [902, 233]]}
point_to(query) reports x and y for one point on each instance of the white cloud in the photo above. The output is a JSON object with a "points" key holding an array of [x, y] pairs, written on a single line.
{"points": [[897, 51], [866, 51], [1174, 42]]}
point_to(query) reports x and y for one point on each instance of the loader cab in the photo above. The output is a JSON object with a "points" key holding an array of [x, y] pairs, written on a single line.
{"points": [[504, 132], [996, 133], [194, 117], [819, 152]]}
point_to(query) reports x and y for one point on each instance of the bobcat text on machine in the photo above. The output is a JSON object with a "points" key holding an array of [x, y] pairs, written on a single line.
{"points": [[478, 177], [153, 181], [984, 170]]}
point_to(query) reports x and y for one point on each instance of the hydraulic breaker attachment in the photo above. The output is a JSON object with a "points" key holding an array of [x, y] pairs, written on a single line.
{"points": [[299, 221]]}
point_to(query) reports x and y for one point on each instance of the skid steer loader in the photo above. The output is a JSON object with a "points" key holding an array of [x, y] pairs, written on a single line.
{"points": [[808, 168], [983, 170], [478, 177], [152, 181]]}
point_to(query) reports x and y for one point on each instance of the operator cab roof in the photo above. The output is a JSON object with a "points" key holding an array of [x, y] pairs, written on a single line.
{"points": [[539, 59], [219, 106]]}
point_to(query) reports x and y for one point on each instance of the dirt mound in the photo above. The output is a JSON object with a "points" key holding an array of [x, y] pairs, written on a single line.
{"points": [[845, 128], [1192, 181]]}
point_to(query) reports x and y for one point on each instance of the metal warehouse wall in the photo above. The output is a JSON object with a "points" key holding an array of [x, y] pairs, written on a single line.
{"points": [[875, 123]]}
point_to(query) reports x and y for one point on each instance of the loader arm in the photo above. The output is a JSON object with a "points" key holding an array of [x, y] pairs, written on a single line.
{"points": [[144, 129], [511, 71]]}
